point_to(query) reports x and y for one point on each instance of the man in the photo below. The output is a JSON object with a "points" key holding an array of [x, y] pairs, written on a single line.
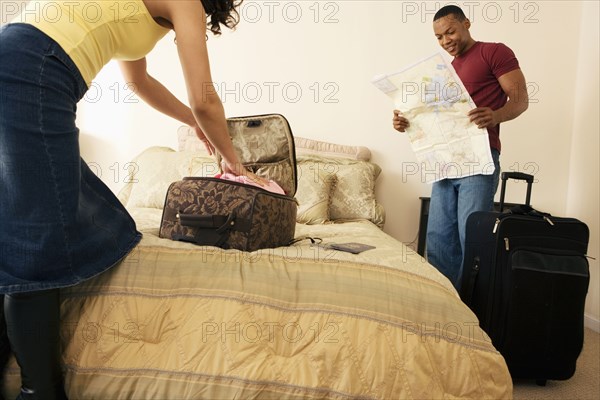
{"points": [[491, 75]]}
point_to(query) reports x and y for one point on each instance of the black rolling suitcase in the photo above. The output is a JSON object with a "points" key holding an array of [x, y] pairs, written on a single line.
{"points": [[525, 275]]}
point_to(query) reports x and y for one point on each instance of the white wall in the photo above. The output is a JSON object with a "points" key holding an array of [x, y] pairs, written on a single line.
{"points": [[313, 60], [583, 197], [332, 53], [330, 50]]}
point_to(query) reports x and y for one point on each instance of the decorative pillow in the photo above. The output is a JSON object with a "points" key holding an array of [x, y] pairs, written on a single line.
{"points": [[188, 141], [155, 169], [313, 194], [306, 146], [353, 196], [133, 171], [346, 168], [353, 193], [203, 164]]}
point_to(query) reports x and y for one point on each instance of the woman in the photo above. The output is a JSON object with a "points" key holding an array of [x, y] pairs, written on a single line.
{"points": [[59, 224]]}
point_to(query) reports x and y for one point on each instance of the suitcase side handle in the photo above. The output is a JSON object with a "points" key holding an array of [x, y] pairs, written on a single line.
{"points": [[468, 285], [210, 230], [505, 176], [220, 223]]}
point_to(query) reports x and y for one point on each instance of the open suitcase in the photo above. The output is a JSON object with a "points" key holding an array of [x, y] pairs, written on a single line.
{"points": [[525, 275], [228, 214]]}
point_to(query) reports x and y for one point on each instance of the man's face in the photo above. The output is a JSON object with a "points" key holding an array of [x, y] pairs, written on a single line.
{"points": [[452, 34]]}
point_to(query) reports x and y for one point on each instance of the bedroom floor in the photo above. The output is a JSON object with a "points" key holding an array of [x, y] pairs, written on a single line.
{"points": [[585, 384]]}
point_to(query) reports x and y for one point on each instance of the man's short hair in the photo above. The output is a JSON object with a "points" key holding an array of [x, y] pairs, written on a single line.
{"points": [[450, 10]]}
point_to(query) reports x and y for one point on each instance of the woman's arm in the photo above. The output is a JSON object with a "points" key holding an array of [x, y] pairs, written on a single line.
{"points": [[159, 97], [153, 92], [189, 23]]}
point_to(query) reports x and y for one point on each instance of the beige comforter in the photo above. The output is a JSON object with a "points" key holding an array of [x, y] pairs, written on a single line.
{"points": [[177, 321]]}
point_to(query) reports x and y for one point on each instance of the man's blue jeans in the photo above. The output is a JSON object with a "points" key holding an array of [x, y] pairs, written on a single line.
{"points": [[452, 201]]}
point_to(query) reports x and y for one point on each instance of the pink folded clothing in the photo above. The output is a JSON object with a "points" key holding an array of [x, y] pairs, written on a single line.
{"points": [[271, 185]]}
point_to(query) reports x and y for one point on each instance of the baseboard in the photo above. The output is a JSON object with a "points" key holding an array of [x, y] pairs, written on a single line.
{"points": [[591, 322]]}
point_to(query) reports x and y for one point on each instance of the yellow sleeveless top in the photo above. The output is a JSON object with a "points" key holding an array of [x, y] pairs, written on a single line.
{"points": [[92, 32]]}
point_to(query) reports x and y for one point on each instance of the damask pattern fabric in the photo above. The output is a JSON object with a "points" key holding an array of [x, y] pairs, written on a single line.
{"points": [[329, 188], [353, 194], [313, 195], [254, 218], [306, 146]]}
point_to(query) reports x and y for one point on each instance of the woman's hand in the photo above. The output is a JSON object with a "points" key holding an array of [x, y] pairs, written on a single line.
{"points": [[237, 168]]}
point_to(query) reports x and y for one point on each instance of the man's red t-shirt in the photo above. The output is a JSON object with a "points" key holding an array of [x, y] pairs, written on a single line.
{"points": [[479, 69]]}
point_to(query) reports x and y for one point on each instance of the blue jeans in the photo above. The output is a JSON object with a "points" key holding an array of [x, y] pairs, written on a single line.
{"points": [[59, 223], [452, 201]]}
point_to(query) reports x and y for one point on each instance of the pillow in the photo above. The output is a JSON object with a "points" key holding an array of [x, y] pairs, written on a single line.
{"points": [[133, 169], [203, 164], [306, 146], [313, 194], [188, 140], [156, 168], [350, 199], [353, 192], [353, 196]]}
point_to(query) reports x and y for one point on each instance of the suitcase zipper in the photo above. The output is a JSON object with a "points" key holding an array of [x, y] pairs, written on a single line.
{"points": [[506, 244], [496, 225], [234, 183], [498, 220]]}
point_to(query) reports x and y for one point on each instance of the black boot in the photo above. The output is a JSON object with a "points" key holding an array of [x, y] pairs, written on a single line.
{"points": [[33, 322], [4, 347]]}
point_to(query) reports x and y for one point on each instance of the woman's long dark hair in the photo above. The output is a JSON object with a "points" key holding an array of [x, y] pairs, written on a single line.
{"points": [[221, 12]]}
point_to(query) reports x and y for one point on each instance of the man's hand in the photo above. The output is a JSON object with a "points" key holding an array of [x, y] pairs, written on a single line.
{"points": [[483, 117], [400, 123]]}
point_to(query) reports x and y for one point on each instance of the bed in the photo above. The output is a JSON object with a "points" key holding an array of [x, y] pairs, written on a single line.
{"points": [[179, 321]]}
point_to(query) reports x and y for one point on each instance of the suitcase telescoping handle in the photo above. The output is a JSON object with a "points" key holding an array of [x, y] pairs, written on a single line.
{"points": [[515, 175], [521, 210]]}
